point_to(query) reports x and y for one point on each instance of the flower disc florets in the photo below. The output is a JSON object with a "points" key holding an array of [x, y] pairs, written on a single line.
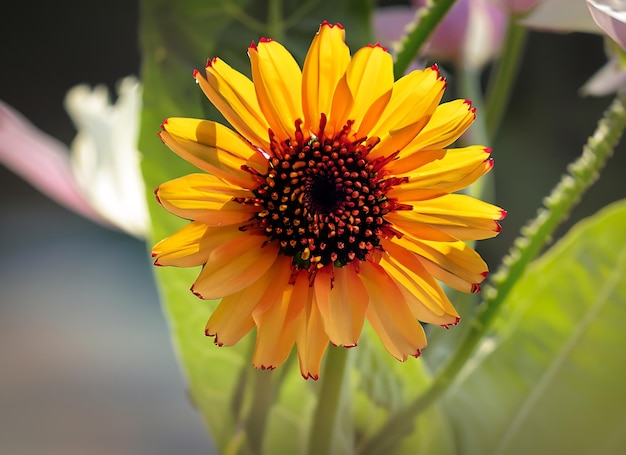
{"points": [[323, 200]]}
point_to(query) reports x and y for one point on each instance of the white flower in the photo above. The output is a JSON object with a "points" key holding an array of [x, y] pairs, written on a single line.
{"points": [[100, 178], [105, 159]]}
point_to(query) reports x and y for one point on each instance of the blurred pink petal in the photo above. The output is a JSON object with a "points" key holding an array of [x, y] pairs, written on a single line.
{"points": [[520, 6], [471, 32], [485, 33], [610, 15], [42, 161], [390, 23], [448, 39]]}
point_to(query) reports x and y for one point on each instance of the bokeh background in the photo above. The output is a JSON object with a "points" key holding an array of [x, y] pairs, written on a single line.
{"points": [[87, 364]]}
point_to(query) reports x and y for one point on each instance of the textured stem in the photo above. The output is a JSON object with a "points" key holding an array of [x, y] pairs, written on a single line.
{"points": [[581, 175], [427, 18]]}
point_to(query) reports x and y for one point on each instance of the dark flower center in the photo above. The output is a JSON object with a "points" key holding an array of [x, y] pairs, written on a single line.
{"points": [[324, 195], [323, 201]]}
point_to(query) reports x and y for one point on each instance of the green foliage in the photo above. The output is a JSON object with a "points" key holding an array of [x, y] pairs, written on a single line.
{"points": [[549, 378]]}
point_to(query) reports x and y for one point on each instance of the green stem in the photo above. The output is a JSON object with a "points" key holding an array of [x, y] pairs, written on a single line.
{"points": [[582, 174], [263, 392], [275, 24], [325, 418], [413, 42], [505, 72], [483, 188], [471, 89], [240, 15], [304, 8]]}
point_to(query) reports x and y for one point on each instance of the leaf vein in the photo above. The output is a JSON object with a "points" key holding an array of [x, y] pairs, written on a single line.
{"points": [[559, 360]]}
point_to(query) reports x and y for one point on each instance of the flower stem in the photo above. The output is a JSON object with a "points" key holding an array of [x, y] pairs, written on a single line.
{"points": [[470, 76], [503, 77], [263, 392], [427, 18], [328, 406], [582, 174], [275, 26]]}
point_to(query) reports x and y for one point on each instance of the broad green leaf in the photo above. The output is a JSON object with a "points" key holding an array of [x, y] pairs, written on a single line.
{"points": [[176, 38], [550, 379]]}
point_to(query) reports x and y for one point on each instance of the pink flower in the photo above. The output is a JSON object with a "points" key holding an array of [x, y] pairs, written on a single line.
{"points": [[610, 15], [519, 7], [471, 33]]}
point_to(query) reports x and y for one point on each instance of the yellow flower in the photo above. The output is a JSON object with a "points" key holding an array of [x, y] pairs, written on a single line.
{"points": [[332, 202]]}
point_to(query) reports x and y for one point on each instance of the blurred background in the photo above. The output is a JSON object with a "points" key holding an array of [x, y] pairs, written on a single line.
{"points": [[87, 364]]}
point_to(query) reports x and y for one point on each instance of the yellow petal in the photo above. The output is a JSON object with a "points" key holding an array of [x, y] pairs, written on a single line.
{"points": [[423, 294], [389, 314], [277, 322], [205, 198], [446, 125], [274, 340], [455, 228], [233, 95], [451, 172], [213, 148], [365, 90], [342, 307], [311, 338], [278, 84], [196, 243], [233, 317], [414, 99], [411, 163], [402, 219], [235, 265], [458, 215], [458, 205], [450, 279], [182, 249], [324, 66], [454, 257]]}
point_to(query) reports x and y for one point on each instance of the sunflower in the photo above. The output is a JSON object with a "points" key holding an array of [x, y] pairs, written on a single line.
{"points": [[333, 201]]}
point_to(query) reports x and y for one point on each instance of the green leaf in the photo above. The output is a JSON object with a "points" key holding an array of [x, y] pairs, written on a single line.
{"points": [[550, 379], [176, 38]]}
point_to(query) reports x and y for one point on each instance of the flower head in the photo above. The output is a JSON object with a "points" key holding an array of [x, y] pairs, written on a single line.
{"points": [[332, 202]]}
